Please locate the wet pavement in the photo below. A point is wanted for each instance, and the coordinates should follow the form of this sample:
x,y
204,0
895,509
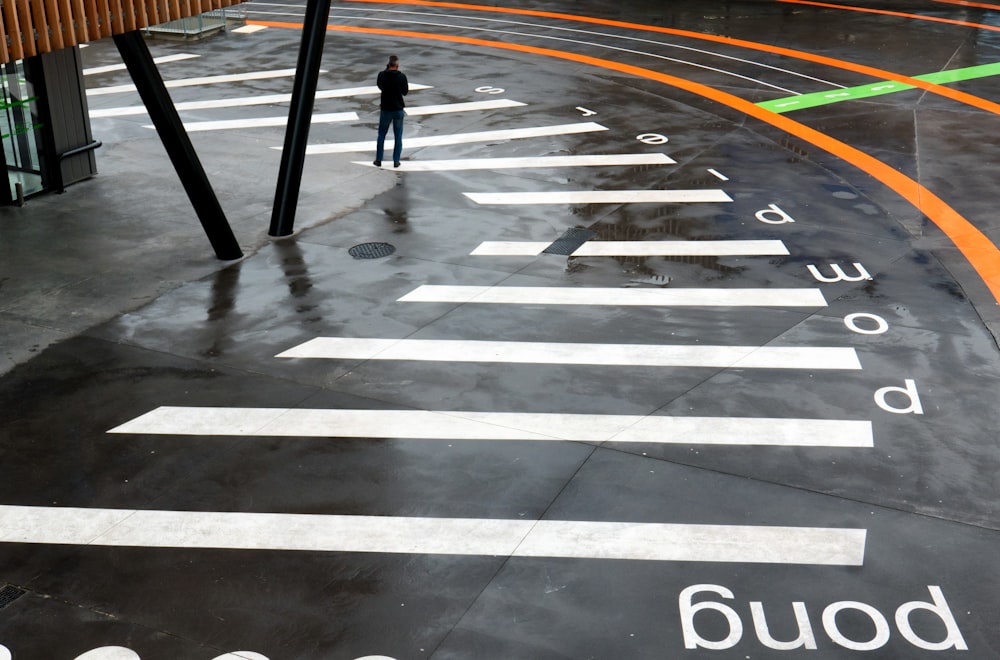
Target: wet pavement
x,y
757,421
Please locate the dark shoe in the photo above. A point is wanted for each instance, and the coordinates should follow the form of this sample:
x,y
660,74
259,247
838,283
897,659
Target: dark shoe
x,y
377,163
396,164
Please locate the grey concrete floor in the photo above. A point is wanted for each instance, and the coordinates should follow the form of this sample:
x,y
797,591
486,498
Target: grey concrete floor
x,y
175,488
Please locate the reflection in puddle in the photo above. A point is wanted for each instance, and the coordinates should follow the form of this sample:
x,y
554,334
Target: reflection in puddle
x,y
399,220
654,225
296,271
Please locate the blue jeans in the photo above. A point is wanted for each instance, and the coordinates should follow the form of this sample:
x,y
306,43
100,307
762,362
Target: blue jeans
x,y
386,117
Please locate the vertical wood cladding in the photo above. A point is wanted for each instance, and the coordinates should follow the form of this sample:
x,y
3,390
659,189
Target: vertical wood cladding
x,y
33,27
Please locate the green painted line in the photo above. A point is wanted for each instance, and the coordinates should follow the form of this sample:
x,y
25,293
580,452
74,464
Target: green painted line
x,y
18,104
815,99
21,130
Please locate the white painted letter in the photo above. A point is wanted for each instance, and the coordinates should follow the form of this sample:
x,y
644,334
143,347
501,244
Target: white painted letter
x,y
652,138
880,639
910,390
806,639
839,275
692,639
783,217
109,653
4,652
953,639
880,324
242,655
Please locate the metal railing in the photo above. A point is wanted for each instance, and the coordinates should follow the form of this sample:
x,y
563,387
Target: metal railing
x,y
202,24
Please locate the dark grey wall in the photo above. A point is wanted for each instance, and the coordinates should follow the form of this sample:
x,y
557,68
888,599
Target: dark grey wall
x,y
69,115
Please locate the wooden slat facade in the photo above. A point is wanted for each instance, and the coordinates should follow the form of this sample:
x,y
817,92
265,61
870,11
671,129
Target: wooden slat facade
x,y
33,27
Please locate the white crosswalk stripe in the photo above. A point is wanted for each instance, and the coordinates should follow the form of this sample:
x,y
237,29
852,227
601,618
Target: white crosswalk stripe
x,y
474,425
262,122
602,197
94,70
242,102
469,106
197,82
638,248
330,117
448,536
543,295
651,355
459,164
459,138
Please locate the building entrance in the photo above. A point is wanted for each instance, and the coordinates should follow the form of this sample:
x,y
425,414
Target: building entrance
x,y
20,132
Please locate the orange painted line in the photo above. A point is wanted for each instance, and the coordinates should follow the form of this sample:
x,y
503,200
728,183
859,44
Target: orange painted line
x,y
886,12
964,3
878,74
973,244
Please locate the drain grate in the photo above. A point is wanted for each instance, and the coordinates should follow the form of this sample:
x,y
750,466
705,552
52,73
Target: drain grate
x,y
570,241
371,250
9,594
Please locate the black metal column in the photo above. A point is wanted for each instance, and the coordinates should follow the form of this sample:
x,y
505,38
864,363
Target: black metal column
x,y
6,196
175,140
293,155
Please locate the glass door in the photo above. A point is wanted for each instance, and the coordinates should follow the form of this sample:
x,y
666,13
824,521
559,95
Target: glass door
x,y
19,131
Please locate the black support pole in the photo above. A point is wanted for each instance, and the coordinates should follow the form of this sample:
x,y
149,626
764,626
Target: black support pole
x,y
177,143
293,155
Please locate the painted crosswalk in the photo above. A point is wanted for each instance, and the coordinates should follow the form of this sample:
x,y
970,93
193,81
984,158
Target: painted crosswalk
x,y
435,536
541,295
523,352
476,425
652,541
638,248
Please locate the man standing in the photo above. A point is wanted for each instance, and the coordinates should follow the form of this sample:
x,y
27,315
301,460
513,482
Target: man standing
x,y
394,87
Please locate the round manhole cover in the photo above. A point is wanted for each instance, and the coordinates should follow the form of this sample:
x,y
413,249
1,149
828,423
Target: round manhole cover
x,y
371,250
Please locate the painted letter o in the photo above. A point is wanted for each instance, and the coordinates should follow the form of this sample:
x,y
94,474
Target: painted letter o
x,y
881,326
880,639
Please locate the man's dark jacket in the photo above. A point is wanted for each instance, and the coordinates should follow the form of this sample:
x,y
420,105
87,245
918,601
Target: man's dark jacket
x,y
394,87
